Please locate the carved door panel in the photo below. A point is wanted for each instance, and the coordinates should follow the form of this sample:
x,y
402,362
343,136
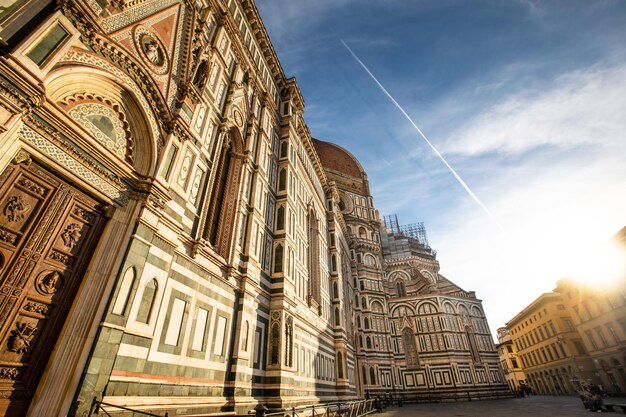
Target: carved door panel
x,y
48,230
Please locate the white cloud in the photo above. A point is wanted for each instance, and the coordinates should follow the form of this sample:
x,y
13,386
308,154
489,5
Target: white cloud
x,y
579,108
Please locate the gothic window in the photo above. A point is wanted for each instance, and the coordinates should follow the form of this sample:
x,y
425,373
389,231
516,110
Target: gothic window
x,y
410,349
335,290
362,233
471,338
337,317
358,321
333,262
368,342
122,296
147,301
401,289
282,179
363,302
218,194
280,218
366,322
275,340
284,147
364,375
313,257
289,342
339,365
372,376
278,258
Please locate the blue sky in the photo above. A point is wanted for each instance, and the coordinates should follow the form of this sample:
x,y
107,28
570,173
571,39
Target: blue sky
x,y
525,99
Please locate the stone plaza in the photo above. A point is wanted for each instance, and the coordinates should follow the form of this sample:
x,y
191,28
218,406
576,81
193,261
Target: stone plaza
x,y
536,406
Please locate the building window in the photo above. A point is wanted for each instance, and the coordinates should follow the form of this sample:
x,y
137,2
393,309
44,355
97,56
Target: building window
x,y
401,289
278,258
147,301
122,296
372,376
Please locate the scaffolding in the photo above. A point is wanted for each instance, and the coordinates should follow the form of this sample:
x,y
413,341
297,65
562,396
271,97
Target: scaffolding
x,y
416,231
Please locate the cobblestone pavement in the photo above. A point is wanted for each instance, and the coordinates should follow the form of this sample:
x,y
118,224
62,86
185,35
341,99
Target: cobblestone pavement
x,y
535,406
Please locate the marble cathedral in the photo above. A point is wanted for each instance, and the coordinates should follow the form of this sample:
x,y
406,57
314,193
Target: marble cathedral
x,y
173,239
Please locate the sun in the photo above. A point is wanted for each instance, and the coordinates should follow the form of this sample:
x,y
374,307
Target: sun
x,y
602,266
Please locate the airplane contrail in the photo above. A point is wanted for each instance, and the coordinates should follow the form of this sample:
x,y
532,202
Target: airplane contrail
x,y
393,100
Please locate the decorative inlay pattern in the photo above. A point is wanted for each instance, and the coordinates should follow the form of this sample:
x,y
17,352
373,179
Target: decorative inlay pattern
x,y
98,62
103,124
72,164
134,14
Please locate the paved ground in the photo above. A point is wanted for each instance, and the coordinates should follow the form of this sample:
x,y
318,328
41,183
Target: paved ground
x,y
535,406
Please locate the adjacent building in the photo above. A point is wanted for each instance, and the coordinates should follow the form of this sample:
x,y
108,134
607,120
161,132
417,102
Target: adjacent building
x,y
510,361
172,239
575,333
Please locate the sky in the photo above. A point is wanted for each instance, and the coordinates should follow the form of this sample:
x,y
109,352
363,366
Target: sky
x,y
524,99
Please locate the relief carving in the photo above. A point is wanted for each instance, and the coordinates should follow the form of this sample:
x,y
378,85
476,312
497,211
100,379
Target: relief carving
x,y
62,258
71,235
8,237
37,308
29,185
49,284
21,337
16,208
8,373
82,214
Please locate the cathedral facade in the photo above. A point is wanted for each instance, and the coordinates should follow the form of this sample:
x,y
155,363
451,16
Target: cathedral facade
x,y
173,239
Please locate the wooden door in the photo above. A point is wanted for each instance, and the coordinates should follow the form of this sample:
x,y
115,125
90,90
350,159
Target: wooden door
x,y
48,232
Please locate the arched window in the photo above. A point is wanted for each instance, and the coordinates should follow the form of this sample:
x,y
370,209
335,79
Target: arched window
x,y
410,349
280,218
284,148
335,290
401,289
282,179
122,296
333,263
313,259
364,375
339,365
471,338
337,317
363,302
147,301
289,341
372,376
358,321
366,322
278,258
221,213
368,342
219,192
275,340
362,232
